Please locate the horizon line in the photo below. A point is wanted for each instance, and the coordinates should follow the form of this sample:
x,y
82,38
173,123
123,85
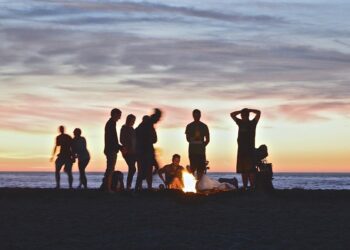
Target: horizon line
x,y
277,172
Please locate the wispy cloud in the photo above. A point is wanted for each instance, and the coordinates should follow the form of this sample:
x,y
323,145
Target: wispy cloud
x,y
303,112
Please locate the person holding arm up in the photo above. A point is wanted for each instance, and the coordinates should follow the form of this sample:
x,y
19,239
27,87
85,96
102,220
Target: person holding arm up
x,y
246,144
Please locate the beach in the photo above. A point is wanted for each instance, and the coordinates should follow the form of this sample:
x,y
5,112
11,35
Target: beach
x,y
90,219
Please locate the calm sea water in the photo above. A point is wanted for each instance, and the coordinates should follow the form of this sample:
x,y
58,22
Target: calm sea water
x,y
281,180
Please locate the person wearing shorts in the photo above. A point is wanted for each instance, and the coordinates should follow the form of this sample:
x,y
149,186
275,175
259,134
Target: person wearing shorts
x,y
64,158
198,137
111,148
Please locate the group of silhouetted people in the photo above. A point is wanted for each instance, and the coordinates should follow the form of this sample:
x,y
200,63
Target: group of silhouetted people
x,y
70,150
136,146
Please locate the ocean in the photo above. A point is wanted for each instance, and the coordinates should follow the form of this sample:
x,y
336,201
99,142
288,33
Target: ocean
x,y
336,181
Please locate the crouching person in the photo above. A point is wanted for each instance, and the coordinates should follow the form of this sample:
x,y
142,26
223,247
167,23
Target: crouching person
x,y
117,182
173,173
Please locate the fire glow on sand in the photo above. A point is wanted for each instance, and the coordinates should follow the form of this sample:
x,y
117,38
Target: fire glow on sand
x,y
189,182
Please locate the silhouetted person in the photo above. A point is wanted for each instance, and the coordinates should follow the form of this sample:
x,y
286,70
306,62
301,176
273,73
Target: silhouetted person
x,y
246,144
128,140
64,158
197,135
112,147
173,173
146,136
80,151
117,181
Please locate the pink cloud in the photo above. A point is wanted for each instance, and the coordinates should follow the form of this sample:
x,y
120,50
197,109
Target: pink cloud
x,y
313,111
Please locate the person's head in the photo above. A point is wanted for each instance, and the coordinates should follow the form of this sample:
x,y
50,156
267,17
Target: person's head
x,y
61,129
245,114
176,159
130,120
116,114
77,132
196,115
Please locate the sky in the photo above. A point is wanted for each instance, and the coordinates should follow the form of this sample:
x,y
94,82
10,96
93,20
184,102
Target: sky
x,y
70,62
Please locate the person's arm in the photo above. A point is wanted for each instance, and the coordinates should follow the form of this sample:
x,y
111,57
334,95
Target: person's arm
x,y
84,142
117,146
54,151
123,136
188,138
154,135
73,149
73,154
207,137
234,115
154,118
257,114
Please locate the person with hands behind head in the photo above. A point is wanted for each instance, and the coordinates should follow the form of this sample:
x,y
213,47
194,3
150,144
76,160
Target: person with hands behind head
x,y
246,144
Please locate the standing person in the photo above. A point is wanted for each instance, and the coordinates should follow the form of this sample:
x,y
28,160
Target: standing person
x,y
65,156
112,147
146,136
128,140
246,144
197,135
80,151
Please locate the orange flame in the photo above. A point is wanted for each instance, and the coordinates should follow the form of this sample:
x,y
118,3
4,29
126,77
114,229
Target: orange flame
x,y
189,182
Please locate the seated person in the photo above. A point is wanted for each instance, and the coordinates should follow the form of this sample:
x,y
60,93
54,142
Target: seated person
x,y
173,173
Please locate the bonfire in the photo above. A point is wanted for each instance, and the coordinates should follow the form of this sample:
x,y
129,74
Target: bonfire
x,y
189,182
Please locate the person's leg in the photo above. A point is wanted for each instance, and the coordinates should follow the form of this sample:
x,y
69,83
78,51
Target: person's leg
x,y
201,166
82,166
245,180
251,177
176,183
121,181
140,173
58,166
193,164
111,161
68,169
149,170
130,160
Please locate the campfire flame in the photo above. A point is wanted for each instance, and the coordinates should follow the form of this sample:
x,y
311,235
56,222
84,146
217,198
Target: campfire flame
x,y
189,182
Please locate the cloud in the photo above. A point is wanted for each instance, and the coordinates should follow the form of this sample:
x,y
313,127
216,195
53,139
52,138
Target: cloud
x,y
304,112
83,52
38,113
200,67
157,8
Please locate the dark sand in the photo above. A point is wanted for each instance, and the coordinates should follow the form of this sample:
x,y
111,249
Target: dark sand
x,y
64,219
